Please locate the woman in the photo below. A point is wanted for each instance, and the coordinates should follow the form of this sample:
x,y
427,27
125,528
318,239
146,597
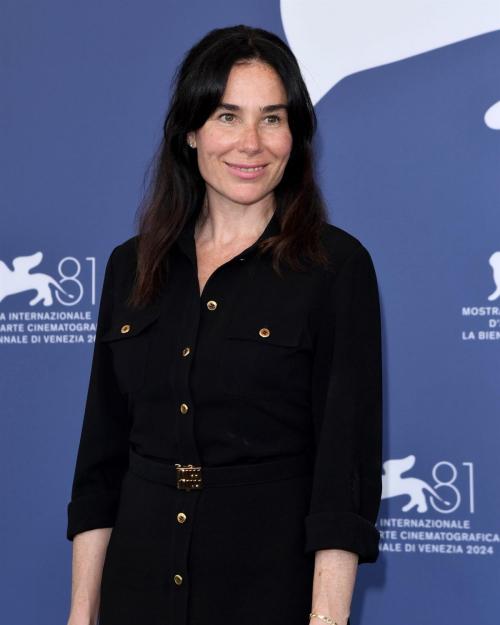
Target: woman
x,y
232,431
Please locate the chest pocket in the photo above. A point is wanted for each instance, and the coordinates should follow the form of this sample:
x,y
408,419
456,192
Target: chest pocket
x,y
129,339
255,360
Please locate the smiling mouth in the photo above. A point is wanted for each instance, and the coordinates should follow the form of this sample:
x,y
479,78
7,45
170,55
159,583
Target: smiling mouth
x,y
247,169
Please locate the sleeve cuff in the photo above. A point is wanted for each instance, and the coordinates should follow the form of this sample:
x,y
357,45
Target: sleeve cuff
x,y
92,512
349,531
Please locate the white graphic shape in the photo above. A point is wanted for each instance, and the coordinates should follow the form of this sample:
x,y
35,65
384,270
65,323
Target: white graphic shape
x,y
333,39
394,485
495,263
492,116
20,280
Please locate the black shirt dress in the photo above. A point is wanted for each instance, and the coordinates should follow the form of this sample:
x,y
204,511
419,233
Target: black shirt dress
x,y
259,370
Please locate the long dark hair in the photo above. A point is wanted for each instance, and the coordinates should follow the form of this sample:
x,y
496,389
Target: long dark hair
x,y
176,189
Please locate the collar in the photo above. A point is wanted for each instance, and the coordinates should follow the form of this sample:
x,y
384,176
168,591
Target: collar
x,y
186,240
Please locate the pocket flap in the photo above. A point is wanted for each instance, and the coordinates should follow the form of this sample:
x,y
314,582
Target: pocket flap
x,y
130,325
276,333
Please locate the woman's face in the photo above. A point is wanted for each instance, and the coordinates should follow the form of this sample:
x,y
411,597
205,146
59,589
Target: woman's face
x,y
249,129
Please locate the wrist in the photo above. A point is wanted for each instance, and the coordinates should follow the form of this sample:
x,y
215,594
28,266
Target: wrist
x,y
82,621
80,617
317,617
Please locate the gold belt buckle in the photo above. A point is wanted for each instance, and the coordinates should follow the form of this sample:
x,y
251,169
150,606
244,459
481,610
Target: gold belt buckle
x,y
188,477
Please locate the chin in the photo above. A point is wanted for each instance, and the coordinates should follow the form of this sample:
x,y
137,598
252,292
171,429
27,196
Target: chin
x,y
246,198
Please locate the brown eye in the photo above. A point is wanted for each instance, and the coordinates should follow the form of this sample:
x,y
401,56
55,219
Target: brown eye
x,y
227,115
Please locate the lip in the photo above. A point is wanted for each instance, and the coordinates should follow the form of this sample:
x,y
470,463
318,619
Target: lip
x,y
246,175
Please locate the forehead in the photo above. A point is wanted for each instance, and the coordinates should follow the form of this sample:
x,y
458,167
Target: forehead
x,y
254,84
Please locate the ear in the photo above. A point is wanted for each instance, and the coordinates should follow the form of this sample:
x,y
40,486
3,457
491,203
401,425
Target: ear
x,y
191,140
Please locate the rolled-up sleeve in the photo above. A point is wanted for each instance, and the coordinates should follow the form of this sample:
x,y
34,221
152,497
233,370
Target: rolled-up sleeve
x,y
347,413
102,458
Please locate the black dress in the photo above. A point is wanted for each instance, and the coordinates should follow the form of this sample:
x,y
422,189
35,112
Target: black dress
x,y
259,369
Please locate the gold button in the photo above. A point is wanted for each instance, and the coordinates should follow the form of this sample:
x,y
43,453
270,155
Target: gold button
x,y
125,329
185,351
184,408
181,517
264,332
178,580
211,305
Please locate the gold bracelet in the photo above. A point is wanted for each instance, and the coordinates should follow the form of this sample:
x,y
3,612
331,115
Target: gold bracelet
x,y
322,617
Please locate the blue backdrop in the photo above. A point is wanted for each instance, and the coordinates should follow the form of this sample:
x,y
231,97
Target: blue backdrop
x,y
409,162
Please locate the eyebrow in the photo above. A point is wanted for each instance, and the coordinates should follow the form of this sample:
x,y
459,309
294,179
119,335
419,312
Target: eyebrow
x,y
266,109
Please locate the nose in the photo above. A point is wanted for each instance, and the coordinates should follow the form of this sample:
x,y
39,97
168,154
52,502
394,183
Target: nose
x,y
250,141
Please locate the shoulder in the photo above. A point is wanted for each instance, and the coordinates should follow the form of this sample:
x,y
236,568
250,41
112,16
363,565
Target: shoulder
x,y
352,276
126,251
341,246
123,257
122,264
